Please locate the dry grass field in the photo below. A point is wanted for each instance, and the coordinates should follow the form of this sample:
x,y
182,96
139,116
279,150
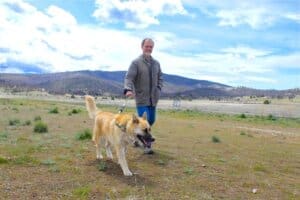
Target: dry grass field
x,y
197,156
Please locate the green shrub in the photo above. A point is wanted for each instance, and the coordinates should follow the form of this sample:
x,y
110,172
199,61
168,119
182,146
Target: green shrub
x,y
243,116
15,109
13,122
74,111
40,127
242,133
215,139
82,192
37,118
3,160
102,166
54,110
3,136
188,170
271,117
83,135
27,123
267,101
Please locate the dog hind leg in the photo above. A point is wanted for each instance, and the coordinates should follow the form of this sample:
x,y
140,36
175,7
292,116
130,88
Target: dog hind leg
x,y
98,151
98,142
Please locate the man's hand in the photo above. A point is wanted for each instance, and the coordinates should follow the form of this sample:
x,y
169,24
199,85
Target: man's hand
x,y
129,94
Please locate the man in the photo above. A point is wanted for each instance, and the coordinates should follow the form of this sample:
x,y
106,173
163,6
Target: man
x,y
143,81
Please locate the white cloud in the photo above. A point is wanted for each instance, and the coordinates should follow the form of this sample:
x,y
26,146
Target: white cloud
x,y
249,53
11,70
255,18
231,65
260,79
293,16
53,40
256,13
61,17
136,13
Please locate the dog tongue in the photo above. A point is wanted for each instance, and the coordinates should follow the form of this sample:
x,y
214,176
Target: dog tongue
x,y
148,144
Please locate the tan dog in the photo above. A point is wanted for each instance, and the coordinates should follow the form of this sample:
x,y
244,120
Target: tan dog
x,y
116,131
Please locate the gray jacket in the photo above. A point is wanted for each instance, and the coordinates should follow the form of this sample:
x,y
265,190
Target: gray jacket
x,y
145,79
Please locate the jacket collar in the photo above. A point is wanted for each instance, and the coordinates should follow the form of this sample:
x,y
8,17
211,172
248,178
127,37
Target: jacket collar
x,y
148,61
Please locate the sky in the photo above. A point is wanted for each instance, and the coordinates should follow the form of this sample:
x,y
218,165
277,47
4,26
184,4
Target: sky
x,y
250,43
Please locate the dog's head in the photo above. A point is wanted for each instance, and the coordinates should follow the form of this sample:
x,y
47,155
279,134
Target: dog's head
x,y
137,126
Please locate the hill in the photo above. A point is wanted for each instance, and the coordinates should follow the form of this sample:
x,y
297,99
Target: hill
x,y
111,83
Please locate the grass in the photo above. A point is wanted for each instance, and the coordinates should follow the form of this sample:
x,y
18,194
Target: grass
x,y
74,111
3,160
54,110
242,116
242,133
3,136
259,168
14,122
48,162
187,163
189,170
251,119
215,139
40,127
84,135
37,118
102,166
82,192
24,160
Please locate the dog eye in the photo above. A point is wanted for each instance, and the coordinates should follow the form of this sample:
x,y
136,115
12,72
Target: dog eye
x,y
147,130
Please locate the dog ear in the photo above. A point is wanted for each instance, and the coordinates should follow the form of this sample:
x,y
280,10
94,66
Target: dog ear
x,y
135,119
144,116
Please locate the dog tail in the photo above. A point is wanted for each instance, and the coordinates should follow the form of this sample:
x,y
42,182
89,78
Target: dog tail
x,y
91,106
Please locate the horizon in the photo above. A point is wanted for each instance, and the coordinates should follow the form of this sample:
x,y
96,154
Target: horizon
x,y
253,44
176,75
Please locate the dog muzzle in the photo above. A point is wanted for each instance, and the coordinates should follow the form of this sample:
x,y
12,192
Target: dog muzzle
x,y
146,139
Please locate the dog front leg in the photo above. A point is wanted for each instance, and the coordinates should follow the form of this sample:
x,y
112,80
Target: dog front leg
x,y
108,151
122,161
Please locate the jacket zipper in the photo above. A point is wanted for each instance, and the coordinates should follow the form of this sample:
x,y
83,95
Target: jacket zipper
x,y
150,80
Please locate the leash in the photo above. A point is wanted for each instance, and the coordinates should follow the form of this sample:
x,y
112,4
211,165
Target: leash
x,y
122,108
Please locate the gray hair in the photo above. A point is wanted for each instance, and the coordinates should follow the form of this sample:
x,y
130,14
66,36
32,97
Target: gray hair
x,y
145,39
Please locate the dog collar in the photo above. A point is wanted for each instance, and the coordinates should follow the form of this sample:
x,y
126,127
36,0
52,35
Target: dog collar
x,y
123,128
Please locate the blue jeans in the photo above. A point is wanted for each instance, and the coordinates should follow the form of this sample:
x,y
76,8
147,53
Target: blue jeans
x,y
150,110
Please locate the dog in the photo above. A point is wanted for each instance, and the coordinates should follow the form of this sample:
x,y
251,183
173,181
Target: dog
x,y
116,131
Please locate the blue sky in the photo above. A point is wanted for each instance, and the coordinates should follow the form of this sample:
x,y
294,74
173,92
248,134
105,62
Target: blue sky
x,y
235,42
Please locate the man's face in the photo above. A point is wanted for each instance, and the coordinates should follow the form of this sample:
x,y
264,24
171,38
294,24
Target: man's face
x,y
147,47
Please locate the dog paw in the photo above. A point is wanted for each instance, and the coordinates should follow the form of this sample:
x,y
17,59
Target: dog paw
x,y
128,173
110,158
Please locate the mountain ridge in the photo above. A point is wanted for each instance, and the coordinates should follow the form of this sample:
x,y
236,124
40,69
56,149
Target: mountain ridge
x,y
111,83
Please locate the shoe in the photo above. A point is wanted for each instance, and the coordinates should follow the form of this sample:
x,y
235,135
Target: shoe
x,y
148,150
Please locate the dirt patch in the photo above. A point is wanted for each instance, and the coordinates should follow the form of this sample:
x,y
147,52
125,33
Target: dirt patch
x,y
187,163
